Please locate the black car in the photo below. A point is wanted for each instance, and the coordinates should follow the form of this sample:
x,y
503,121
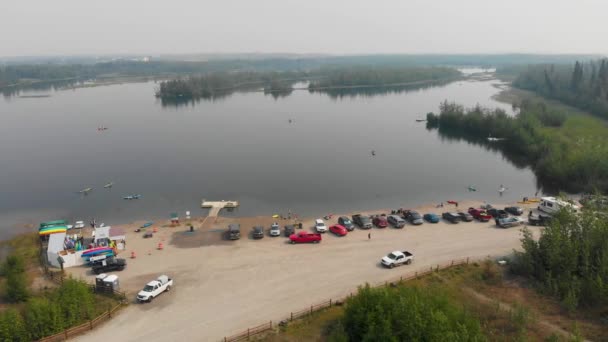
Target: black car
x,y
109,265
234,231
289,229
465,217
346,223
257,232
514,210
497,213
413,217
452,217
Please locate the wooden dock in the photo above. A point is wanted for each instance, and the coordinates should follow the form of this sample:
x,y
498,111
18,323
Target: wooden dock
x,y
216,206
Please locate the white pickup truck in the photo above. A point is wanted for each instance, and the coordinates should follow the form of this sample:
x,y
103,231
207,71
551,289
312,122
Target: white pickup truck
x,y
397,258
154,288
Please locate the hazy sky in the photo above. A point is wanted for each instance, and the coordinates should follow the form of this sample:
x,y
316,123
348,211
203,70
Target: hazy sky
x,y
51,27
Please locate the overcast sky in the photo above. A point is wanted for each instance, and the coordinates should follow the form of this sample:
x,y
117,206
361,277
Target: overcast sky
x,y
64,27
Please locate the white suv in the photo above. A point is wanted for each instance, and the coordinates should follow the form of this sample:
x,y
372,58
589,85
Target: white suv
x,y
275,229
320,226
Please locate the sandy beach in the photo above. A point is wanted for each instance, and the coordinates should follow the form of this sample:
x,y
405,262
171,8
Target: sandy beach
x,y
222,287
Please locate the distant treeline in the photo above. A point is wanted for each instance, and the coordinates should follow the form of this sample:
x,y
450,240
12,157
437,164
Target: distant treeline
x,y
582,85
26,71
374,76
567,152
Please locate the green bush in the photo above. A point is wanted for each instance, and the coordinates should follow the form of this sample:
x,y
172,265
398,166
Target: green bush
x,y
407,314
16,282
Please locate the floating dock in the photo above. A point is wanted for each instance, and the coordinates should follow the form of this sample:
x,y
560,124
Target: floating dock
x,y
216,206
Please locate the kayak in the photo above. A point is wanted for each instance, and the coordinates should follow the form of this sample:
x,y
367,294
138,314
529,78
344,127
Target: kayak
x,y
96,251
471,188
109,185
131,197
452,202
52,230
53,223
147,224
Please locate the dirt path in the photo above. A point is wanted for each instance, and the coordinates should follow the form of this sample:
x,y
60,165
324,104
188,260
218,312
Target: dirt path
x,y
506,307
221,289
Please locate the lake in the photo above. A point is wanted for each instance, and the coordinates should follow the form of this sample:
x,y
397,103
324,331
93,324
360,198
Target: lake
x,y
241,147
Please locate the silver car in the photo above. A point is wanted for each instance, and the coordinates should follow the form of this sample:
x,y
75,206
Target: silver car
x,y
275,230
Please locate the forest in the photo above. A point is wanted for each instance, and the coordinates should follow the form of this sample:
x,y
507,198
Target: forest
x,y
566,152
570,259
583,85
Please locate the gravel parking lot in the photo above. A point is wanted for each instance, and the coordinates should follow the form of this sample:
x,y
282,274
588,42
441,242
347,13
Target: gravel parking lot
x,y
224,287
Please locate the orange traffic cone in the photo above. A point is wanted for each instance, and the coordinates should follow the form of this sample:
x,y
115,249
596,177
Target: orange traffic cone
x,y
160,246
132,254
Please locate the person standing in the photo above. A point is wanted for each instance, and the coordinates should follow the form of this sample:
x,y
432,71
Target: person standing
x,y
369,236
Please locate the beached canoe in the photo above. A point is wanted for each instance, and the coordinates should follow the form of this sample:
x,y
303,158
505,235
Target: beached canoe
x,y
147,224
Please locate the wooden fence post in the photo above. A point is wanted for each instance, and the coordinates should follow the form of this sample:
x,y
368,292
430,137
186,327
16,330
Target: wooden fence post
x,y
311,309
65,332
90,324
225,339
247,334
416,275
452,263
292,316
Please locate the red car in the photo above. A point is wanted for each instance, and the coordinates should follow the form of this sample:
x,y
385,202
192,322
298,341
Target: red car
x,y
305,237
380,221
338,230
480,214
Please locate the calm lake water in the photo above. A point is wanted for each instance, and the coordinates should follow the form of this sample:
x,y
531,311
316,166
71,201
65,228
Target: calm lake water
x,y
241,147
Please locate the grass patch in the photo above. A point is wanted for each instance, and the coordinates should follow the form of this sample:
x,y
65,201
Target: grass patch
x,y
508,309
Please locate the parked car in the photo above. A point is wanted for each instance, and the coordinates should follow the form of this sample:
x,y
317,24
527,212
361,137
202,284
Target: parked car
x,y
380,221
431,217
155,288
514,210
451,217
289,229
397,258
234,231
512,221
539,219
396,221
257,232
320,226
338,230
413,217
275,229
109,265
480,214
498,213
466,217
305,237
364,222
346,223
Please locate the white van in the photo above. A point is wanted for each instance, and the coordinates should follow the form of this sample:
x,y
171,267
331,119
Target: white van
x,y
552,205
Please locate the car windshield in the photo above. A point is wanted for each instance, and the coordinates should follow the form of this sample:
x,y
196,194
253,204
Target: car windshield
x,y
392,256
148,288
415,215
346,221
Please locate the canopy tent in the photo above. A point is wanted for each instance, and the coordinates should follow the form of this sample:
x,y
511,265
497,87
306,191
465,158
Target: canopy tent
x,y
119,236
